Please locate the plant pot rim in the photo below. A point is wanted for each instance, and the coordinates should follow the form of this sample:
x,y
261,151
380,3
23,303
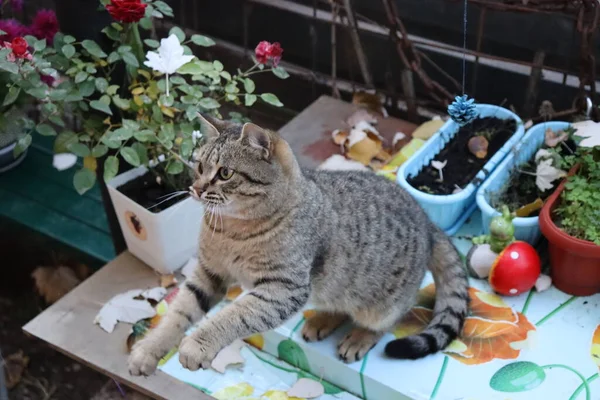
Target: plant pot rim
x,y
484,172
132,174
556,235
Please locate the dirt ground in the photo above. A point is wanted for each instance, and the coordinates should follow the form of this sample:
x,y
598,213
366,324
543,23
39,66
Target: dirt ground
x,y
48,375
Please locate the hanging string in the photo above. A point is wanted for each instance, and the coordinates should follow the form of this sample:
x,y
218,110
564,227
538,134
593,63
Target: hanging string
x,y
464,60
463,110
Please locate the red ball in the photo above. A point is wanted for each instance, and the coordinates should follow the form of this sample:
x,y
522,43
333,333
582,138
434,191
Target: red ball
x,y
515,270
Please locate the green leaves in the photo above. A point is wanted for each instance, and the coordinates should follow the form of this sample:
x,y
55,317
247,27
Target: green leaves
x,y
131,156
249,85
281,73
175,167
130,59
250,99
101,106
201,40
519,376
209,103
152,43
64,140
177,32
45,130
191,68
22,144
9,66
99,150
68,50
271,99
111,168
84,180
11,95
101,84
93,48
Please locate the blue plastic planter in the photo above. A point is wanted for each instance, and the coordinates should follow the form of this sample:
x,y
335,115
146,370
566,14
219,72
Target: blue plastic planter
x,y
526,229
449,212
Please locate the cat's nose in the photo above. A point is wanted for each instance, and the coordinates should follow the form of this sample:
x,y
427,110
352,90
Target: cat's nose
x,y
200,188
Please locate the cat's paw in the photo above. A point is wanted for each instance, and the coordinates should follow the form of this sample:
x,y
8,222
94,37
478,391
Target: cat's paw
x,y
321,325
356,344
196,353
143,360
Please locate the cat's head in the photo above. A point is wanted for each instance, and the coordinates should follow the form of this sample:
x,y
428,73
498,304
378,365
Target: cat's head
x,y
243,170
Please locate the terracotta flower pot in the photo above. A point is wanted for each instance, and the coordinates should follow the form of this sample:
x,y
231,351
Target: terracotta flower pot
x,y
574,263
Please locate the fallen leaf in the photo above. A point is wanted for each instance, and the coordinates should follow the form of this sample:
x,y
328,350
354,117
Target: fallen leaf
x,y
64,161
166,281
478,146
53,283
398,137
125,307
530,208
428,129
257,340
370,101
363,147
368,128
14,366
307,389
228,355
360,115
554,138
339,136
233,292
338,162
546,174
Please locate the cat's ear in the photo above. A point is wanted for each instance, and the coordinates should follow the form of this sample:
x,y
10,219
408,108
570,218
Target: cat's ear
x,y
208,126
257,138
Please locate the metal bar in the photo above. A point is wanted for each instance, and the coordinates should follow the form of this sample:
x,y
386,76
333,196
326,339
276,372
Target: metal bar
x,y
531,93
360,53
480,29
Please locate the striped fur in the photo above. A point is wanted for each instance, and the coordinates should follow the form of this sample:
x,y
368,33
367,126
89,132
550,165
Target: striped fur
x,y
355,243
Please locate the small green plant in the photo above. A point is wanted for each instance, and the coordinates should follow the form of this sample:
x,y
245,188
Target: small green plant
x,y
579,209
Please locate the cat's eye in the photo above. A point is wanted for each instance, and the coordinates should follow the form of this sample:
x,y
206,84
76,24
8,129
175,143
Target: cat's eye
x,y
225,173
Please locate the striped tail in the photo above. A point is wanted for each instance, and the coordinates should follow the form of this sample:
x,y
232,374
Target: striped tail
x,y
451,305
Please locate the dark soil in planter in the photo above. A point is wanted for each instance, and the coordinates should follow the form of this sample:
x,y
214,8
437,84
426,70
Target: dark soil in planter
x,y
462,165
147,192
521,188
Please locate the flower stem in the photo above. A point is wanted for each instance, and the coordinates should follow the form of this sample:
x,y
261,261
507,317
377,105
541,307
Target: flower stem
x,y
582,386
440,378
585,383
527,301
556,310
136,43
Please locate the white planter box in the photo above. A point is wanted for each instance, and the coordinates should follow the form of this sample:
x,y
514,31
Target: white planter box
x,y
165,240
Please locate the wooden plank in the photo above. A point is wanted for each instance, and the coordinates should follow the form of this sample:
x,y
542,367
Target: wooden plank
x,y
309,134
68,326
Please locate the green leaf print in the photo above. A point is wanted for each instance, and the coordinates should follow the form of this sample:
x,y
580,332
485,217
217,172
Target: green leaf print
x,y
290,352
519,376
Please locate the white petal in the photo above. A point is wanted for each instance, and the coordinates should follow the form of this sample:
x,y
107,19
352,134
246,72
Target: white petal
x,y
438,164
64,161
542,153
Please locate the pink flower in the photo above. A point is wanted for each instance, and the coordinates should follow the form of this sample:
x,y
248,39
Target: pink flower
x,y
13,29
266,51
45,25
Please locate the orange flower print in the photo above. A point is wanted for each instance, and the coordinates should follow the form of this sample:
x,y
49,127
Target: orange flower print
x,y
492,330
596,346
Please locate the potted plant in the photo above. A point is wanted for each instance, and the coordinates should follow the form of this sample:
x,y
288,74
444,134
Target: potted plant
x,y
23,69
444,174
570,220
151,122
527,177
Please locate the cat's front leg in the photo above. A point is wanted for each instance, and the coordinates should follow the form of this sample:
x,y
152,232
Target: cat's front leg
x,y
272,301
192,302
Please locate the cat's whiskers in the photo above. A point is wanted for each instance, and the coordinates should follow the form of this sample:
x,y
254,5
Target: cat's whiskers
x,y
170,197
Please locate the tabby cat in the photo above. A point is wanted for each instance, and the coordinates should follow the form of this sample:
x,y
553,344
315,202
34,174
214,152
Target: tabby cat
x,y
355,244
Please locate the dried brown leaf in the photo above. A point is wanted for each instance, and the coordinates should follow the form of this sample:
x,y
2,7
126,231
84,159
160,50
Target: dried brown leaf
x,y
478,146
370,101
553,139
53,283
14,367
167,281
339,136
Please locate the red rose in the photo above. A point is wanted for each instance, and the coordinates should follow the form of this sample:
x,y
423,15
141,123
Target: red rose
x,y
19,47
262,52
266,51
126,10
275,53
